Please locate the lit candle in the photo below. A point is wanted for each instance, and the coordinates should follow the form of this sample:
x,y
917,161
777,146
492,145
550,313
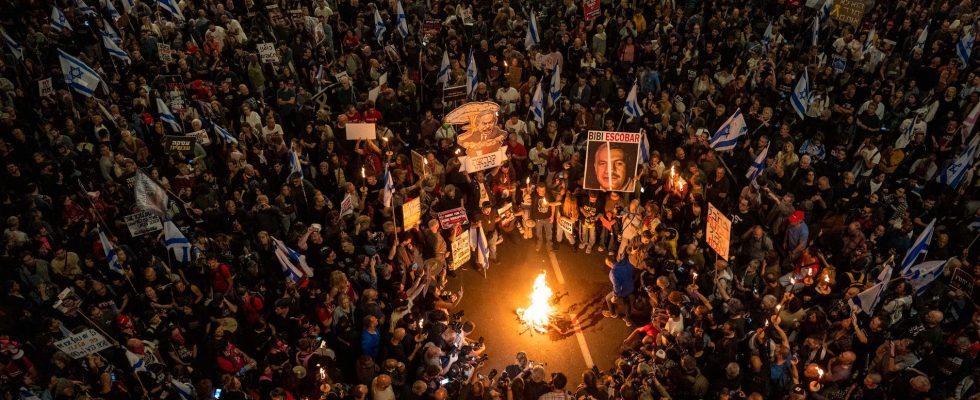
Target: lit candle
x,y
779,307
457,151
529,181
505,64
792,281
767,323
826,278
694,275
819,373
363,173
425,161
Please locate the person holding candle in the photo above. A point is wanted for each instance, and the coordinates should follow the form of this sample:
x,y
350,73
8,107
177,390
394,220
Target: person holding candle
x,y
543,213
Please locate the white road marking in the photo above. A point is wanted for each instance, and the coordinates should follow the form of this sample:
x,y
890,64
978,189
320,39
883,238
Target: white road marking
x,y
579,336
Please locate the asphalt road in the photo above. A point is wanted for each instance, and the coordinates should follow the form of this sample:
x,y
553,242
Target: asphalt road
x,y
580,285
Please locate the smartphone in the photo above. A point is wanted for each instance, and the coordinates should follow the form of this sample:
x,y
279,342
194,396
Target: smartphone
x,y
217,393
415,266
444,381
113,376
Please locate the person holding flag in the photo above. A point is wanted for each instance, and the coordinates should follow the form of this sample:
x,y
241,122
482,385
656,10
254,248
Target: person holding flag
x,y
444,70
165,115
175,242
379,26
537,106
801,96
758,165
727,135
532,39
632,107
401,21
472,76
964,48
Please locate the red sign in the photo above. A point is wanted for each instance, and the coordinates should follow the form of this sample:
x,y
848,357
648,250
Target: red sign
x,y
591,9
452,218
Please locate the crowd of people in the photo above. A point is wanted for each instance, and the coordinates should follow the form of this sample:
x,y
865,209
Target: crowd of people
x,y
883,157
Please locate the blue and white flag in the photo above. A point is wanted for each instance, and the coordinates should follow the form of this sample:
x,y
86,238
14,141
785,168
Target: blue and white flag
x,y
921,275
920,43
86,9
800,98
15,48
824,12
555,88
531,39
295,167
953,174
109,250
758,165
26,394
224,134
79,77
128,5
136,361
150,196
815,34
868,299
869,41
109,32
472,76
964,49
444,69
907,134
115,51
183,390
401,22
167,116
537,105
379,25
176,242
171,7
767,37
389,190
644,146
632,106
920,246
293,264
886,273
727,136
478,243
58,20
111,9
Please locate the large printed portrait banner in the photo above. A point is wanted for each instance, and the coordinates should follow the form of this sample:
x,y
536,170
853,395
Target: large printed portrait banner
x,y
611,161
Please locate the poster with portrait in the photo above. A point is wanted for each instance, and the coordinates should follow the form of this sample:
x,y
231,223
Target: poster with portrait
x,y
611,161
481,136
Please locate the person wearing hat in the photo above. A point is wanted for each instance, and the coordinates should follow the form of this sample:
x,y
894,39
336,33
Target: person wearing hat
x,y
488,218
797,236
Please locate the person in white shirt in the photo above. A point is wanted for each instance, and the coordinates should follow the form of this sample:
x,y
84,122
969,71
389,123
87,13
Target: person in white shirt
x,y
515,125
508,97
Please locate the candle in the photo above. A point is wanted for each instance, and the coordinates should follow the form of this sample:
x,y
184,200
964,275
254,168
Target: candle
x,y
529,181
457,151
819,373
792,280
767,323
425,161
694,276
363,173
826,278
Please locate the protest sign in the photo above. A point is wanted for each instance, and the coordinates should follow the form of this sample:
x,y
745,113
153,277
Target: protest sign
x,y
174,144
346,206
83,343
482,162
848,11
962,280
361,131
591,9
506,213
452,218
165,53
267,52
411,212
566,225
202,137
454,93
45,87
143,222
719,231
419,164
461,249
611,160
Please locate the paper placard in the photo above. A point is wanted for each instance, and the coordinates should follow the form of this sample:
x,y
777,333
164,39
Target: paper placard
x,y
848,11
361,131
455,93
346,206
719,231
461,249
267,52
143,222
412,213
45,87
591,9
202,137
566,225
962,280
165,53
506,213
452,218
419,164
83,343
482,162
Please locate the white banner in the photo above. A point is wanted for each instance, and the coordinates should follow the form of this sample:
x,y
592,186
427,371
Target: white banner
x,y
143,222
82,344
482,162
361,131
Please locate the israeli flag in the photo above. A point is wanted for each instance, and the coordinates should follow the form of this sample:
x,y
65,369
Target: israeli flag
x,y
86,10
295,167
79,77
758,165
111,9
970,121
868,299
293,264
171,7
532,32
921,275
537,106
869,41
644,146
907,134
472,77
815,34
953,174
824,11
110,254
16,49
389,190
110,33
727,136
58,20
886,273
555,90
443,76
176,242
379,25
920,43
921,246
150,196
632,106
767,37
183,390
478,242
114,50
800,99
401,21
964,49
167,116
224,134
136,361
26,394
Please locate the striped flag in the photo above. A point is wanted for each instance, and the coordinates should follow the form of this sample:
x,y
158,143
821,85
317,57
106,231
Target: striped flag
x,y
79,77
295,167
644,146
472,77
109,32
970,121
293,264
171,7
815,34
86,9
224,134
886,273
150,196
632,106
758,165
907,134
537,106
727,136
16,49
114,50
128,5
953,174
183,390
767,37
921,275
136,361
920,246
176,242
964,49
868,299
800,99
478,242
443,76
26,394
531,39
111,9
379,25
389,189
824,12
869,41
920,42
167,116
555,89
110,254
58,20
401,22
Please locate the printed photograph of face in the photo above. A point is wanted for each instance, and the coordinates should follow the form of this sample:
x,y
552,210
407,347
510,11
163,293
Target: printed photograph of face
x,y
611,166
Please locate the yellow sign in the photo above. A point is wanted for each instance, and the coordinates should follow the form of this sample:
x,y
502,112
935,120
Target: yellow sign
x,y
719,231
848,11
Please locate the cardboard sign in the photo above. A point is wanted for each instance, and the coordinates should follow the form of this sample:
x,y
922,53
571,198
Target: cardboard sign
x,y
611,160
411,213
45,87
506,213
719,231
566,225
267,52
361,131
461,249
848,11
591,9
143,222
165,53
83,343
419,164
454,93
431,28
452,218
486,161
68,302
173,144
962,280
346,206
202,137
